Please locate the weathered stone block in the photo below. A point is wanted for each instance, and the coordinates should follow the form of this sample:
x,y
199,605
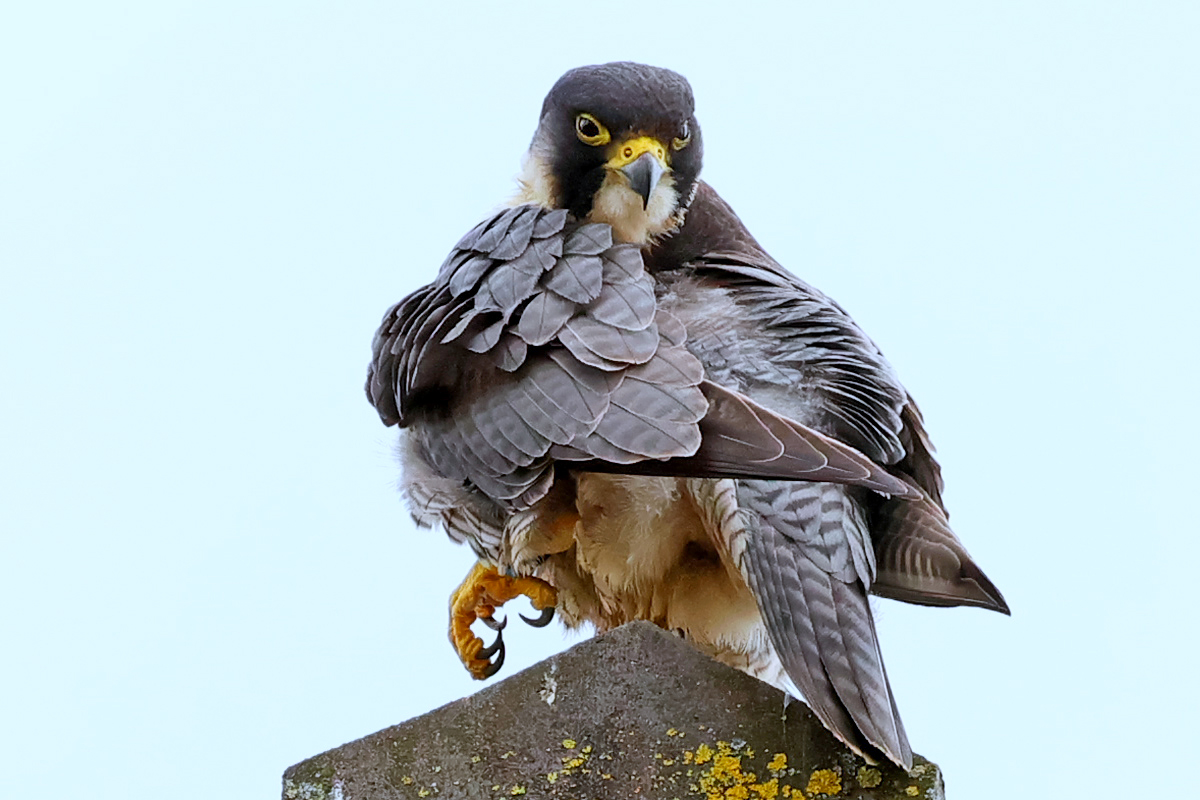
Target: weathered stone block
x,y
632,713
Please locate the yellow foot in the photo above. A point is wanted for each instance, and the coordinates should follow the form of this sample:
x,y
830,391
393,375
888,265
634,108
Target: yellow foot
x,y
482,591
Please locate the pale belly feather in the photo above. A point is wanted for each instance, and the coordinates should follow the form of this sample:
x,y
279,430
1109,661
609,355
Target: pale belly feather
x,y
641,549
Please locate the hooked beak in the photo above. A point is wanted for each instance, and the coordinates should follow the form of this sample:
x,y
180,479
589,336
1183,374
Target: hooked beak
x,y
643,162
644,174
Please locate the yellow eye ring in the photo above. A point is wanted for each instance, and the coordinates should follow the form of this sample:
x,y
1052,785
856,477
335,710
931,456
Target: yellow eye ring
x,y
590,131
680,142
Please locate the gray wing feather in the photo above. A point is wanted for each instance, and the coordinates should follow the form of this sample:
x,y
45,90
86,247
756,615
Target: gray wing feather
x,y
815,352
541,339
544,317
918,461
742,439
801,563
516,239
576,277
524,343
921,561
628,306
835,365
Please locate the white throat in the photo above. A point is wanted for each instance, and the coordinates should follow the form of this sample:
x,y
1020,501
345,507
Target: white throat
x,y
615,203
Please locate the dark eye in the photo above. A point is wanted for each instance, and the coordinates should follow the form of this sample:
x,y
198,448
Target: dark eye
x,y
685,136
590,131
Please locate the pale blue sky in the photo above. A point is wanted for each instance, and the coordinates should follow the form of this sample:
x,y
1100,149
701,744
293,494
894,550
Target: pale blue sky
x,y
206,207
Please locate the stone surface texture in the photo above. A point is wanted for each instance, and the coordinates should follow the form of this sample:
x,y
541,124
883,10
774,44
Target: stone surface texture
x,y
632,713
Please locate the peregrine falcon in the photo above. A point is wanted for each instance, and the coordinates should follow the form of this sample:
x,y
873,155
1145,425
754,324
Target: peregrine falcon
x,y
629,410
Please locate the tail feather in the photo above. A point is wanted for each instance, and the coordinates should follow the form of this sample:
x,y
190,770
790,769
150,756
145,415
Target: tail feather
x,y
814,603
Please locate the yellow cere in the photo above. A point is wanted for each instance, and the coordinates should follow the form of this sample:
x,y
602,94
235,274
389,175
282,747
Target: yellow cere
x,y
631,150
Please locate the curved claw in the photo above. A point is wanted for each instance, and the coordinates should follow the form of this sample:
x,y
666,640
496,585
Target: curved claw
x,y
481,593
486,653
493,624
541,620
494,667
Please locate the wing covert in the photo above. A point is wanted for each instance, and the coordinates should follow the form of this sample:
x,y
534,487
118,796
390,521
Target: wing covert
x,y
539,339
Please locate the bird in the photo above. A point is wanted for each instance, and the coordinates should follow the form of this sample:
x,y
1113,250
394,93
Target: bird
x,y
630,411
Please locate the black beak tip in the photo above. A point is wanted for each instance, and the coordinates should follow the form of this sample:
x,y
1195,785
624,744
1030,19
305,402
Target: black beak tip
x,y
640,183
643,175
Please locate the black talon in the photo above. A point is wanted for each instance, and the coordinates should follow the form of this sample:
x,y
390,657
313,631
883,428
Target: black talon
x,y
542,620
492,648
495,666
493,624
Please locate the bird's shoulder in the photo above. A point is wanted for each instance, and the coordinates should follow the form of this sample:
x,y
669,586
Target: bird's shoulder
x,y
760,328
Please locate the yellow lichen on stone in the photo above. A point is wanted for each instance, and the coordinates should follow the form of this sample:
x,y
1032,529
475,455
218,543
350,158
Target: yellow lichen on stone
x,y
824,781
407,780
516,790
672,732
727,767
912,791
869,777
475,759
725,780
422,793
688,755
572,764
778,763
551,777
586,750
569,744
704,754
766,791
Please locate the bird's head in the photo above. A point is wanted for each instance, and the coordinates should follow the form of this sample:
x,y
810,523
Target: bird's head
x,y
617,143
